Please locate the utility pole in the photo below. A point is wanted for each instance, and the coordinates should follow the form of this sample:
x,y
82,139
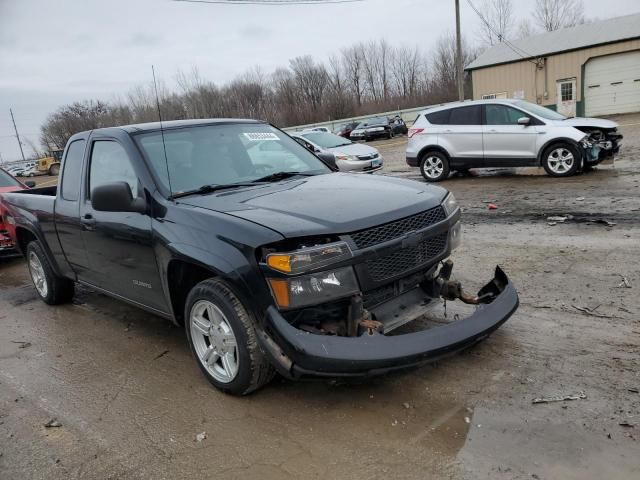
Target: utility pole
x,y
17,136
459,71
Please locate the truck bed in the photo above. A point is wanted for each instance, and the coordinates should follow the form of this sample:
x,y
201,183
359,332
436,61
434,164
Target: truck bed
x,y
47,191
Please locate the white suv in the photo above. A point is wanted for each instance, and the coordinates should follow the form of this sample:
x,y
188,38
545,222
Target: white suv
x,y
507,133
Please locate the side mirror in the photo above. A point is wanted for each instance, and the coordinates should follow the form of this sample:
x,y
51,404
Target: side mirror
x,y
116,197
329,159
30,184
524,121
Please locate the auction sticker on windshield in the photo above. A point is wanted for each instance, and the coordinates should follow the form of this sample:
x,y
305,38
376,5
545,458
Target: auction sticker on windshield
x,y
260,136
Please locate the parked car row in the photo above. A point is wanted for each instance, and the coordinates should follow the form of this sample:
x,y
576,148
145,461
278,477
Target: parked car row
x,y
379,127
507,133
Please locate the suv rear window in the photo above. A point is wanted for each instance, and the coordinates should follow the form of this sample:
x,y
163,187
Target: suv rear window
x,y
471,115
439,118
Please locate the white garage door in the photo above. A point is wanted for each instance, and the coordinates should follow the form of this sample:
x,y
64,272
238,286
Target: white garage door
x,y
612,84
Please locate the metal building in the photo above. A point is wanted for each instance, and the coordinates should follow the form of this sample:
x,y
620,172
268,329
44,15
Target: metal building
x,y
588,70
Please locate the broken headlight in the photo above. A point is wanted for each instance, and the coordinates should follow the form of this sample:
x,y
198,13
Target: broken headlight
x,y
296,292
306,259
455,235
450,204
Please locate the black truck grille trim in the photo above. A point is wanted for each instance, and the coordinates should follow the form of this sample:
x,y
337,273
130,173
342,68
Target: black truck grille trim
x,y
396,229
407,259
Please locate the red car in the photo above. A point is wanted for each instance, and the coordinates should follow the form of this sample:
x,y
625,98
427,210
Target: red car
x,y
8,183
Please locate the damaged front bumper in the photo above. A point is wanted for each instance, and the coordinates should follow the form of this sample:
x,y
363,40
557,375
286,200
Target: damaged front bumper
x,y
296,353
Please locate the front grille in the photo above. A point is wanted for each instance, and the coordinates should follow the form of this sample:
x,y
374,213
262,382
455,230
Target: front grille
x,y
368,157
407,258
389,231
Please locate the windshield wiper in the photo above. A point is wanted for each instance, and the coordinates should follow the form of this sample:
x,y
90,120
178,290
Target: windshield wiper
x,y
274,177
211,189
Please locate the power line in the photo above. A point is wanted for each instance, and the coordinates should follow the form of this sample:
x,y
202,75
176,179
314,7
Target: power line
x,y
270,2
517,50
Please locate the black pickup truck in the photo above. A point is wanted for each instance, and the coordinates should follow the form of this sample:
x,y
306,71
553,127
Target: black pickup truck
x,y
271,259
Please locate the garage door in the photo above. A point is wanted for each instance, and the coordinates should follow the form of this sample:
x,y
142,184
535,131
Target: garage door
x,y
612,84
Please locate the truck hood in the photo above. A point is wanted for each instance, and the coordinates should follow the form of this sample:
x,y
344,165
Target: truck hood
x,y
327,204
587,122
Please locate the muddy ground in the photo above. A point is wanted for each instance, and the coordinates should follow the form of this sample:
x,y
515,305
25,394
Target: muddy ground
x,y
130,399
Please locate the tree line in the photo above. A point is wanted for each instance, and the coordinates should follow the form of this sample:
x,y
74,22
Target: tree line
x,y
364,78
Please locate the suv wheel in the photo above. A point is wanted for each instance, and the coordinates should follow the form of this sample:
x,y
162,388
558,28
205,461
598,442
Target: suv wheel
x,y
561,160
434,166
223,339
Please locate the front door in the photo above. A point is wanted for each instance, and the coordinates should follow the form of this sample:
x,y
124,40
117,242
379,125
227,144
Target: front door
x,y
507,143
567,96
119,244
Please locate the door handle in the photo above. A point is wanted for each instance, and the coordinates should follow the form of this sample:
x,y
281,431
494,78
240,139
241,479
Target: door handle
x,y
88,222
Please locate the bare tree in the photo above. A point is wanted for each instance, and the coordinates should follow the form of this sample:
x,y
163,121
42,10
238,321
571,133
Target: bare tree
x,y
312,80
551,15
499,22
352,60
444,79
525,29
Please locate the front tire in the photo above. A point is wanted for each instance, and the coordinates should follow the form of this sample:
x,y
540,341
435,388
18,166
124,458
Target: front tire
x,y
51,288
434,166
561,160
222,337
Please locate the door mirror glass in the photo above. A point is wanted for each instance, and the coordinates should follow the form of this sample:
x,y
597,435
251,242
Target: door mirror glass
x,y
30,184
524,121
115,197
329,159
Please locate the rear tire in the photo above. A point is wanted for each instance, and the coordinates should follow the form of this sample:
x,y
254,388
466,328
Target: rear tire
x,y
434,166
561,160
51,288
54,170
222,336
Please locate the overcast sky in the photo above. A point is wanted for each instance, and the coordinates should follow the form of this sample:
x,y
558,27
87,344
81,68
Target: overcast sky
x,y
56,52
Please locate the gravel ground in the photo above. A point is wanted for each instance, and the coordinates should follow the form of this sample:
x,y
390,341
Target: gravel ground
x,y
130,400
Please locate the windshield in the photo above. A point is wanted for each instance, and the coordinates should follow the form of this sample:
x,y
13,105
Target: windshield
x,y
326,140
7,180
539,110
224,154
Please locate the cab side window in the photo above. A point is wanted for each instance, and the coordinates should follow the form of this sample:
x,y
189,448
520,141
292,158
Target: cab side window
x,y
502,115
72,169
110,163
471,115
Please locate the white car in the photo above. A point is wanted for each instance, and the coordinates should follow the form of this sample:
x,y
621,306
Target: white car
x,y
350,157
507,133
30,172
16,171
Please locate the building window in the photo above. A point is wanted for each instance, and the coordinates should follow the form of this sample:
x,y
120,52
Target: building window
x,y
566,91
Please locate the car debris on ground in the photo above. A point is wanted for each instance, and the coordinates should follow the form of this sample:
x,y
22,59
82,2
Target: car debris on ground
x,y
201,436
625,283
560,398
53,423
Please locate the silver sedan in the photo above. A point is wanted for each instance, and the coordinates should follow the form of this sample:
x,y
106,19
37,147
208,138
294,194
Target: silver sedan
x,y
350,157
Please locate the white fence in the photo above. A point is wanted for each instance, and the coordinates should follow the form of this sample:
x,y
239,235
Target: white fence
x,y
408,115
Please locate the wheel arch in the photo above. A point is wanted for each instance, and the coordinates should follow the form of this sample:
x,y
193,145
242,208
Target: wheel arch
x,y
182,276
559,141
23,237
432,148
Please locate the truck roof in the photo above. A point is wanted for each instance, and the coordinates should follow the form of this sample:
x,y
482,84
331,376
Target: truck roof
x,y
171,124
